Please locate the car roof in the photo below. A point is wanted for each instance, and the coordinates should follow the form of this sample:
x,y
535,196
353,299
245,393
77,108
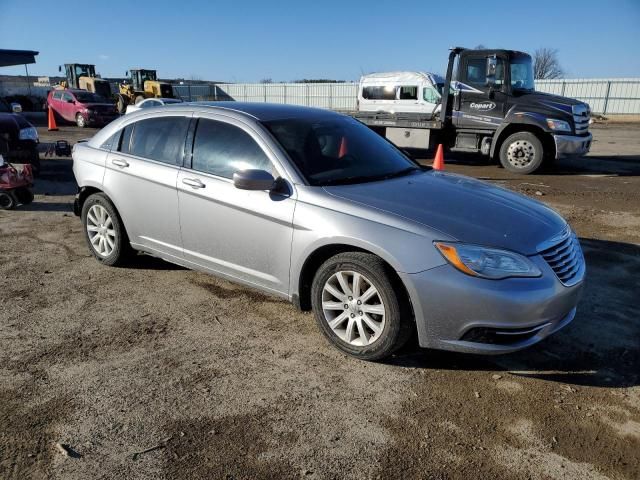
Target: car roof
x,y
262,111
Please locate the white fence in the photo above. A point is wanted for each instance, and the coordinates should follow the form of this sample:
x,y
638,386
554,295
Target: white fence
x,y
607,96
614,96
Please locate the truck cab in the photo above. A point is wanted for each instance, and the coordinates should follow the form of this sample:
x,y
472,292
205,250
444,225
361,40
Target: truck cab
x,y
495,109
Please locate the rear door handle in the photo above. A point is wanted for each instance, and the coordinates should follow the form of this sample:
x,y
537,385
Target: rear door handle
x,y
193,182
120,163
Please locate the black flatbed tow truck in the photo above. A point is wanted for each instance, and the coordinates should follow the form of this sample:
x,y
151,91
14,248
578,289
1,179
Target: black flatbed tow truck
x,y
492,108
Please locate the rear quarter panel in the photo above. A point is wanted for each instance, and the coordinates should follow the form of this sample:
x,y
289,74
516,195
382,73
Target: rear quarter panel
x,y
89,165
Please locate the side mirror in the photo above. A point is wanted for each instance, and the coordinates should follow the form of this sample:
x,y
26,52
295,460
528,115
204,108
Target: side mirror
x,y
253,179
71,100
492,65
59,68
16,108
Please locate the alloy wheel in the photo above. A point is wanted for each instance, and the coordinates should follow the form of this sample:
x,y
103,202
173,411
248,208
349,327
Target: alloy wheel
x,y
353,308
102,235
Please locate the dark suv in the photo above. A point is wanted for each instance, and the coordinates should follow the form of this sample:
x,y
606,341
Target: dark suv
x,y
18,138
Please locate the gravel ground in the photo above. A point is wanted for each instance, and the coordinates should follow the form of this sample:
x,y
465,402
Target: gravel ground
x,y
154,371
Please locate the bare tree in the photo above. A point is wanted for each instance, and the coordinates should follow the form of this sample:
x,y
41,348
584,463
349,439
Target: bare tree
x,y
266,80
546,64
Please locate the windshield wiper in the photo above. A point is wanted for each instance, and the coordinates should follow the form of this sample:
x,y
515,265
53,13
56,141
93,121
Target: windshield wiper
x,y
402,173
369,178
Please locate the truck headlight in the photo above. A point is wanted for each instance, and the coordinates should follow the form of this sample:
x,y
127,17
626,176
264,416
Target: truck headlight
x,y
485,262
29,133
558,125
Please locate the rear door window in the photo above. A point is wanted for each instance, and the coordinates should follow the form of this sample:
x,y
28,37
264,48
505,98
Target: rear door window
x,y
161,139
222,149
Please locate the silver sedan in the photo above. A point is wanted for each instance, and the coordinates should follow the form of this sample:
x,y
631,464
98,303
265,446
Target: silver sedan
x,y
312,206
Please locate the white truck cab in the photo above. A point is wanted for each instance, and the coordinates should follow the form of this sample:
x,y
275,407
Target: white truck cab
x,y
396,92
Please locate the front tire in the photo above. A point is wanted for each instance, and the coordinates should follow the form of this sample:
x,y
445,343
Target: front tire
x,y
104,231
81,122
357,306
522,153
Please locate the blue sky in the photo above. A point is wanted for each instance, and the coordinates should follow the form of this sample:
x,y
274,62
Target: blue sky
x,y
287,40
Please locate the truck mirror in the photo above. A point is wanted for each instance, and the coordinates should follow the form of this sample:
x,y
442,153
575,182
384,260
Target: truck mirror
x,y
492,64
59,68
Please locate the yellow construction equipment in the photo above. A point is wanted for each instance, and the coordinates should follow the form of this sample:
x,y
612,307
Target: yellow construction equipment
x,y
142,84
83,76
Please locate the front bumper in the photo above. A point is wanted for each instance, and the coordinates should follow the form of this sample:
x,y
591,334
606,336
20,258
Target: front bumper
x,y
97,119
454,311
572,146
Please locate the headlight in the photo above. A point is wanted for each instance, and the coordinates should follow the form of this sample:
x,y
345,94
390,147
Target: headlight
x,y
29,133
486,262
558,125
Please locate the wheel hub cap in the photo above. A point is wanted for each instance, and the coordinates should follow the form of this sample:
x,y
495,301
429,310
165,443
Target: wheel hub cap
x,y
521,153
353,308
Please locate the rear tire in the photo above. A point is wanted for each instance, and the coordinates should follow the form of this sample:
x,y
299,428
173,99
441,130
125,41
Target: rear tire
x,y
104,231
366,327
521,152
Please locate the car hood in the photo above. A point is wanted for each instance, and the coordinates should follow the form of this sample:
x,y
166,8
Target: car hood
x,y
469,210
549,100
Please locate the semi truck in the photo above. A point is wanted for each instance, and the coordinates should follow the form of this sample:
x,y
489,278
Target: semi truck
x,y
489,105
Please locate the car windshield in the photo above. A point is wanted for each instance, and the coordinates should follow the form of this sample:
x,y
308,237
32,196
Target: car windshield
x,y
522,73
339,151
88,97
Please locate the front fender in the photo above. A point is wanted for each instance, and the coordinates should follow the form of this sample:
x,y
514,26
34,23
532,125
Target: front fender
x,y
316,227
516,117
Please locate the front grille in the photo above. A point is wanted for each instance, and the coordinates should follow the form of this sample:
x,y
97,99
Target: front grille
x,y
581,117
565,259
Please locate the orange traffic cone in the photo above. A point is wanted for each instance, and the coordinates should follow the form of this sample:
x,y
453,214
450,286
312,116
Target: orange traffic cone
x,y
438,162
52,120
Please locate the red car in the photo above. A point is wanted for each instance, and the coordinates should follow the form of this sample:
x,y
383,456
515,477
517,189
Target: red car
x,y
82,107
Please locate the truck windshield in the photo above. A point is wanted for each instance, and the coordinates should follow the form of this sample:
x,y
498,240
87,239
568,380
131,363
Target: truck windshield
x,y
339,151
522,73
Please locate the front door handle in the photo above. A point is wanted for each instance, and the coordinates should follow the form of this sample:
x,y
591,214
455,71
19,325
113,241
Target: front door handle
x,y
193,182
120,163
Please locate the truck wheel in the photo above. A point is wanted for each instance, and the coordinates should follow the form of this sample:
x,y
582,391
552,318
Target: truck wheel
x,y
521,153
7,202
139,98
121,103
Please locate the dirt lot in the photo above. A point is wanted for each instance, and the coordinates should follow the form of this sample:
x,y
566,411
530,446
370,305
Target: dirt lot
x,y
219,381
